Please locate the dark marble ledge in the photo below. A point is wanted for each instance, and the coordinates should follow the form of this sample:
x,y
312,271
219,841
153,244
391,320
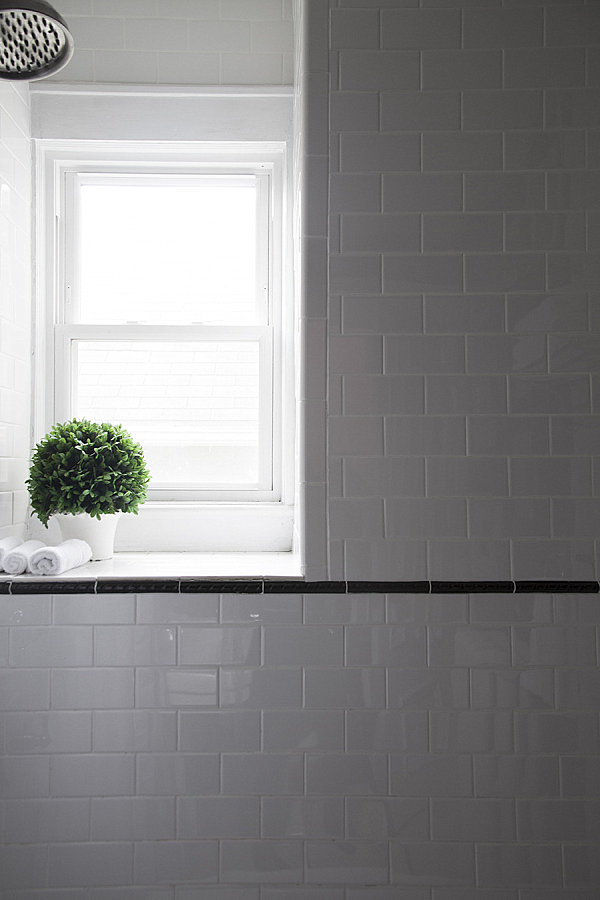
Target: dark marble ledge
x,y
177,585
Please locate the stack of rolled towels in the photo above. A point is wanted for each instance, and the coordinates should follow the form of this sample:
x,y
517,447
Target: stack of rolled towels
x,y
18,557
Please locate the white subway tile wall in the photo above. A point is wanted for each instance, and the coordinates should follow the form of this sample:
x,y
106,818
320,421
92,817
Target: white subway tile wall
x,y
213,42
389,746
15,304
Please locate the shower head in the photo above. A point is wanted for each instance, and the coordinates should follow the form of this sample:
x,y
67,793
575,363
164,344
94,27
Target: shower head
x,y
35,40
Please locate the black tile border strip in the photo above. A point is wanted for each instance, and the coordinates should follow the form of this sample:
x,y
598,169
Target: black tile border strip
x,y
286,586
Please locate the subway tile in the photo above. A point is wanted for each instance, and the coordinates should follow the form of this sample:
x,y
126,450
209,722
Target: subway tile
x,y
581,867
301,893
354,862
465,394
132,819
461,70
24,867
506,353
408,29
556,393
575,518
553,559
261,862
384,893
346,609
269,773
553,645
380,233
383,394
555,732
573,271
424,354
85,775
519,865
420,111
426,518
558,820
512,689
24,689
217,732
469,559
354,274
379,70
382,731
93,610
217,817
51,646
462,645
571,26
164,687
462,151
425,435
550,67
502,28
431,775
48,732
428,688
505,272
472,820
341,688
580,775
157,609
385,645
407,273
348,774
382,818
502,110
164,862
308,645
450,862
510,435
464,476
429,609
382,315
355,192
260,688
355,435
422,192
448,232
380,152
385,477
513,775
573,190
354,29
462,314
577,609
570,354
572,108
173,774
510,609
267,609
72,865
544,150
355,354
97,688
471,731
25,610
303,730
24,776
219,646
302,817
376,559
46,821
545,231
134,730
553,476
577,688
509,191
511,517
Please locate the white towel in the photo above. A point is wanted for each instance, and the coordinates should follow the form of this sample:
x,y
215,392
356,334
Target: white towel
x,y
16,561
56,560
6,545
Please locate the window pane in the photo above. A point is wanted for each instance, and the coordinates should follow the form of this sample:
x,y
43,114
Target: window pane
x,y
168,253
193,406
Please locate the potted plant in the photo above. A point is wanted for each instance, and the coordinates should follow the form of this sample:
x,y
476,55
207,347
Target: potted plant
x,y
86,474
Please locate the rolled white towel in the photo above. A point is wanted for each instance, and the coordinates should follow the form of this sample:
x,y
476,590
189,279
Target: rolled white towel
x,y
6,545
56,560
16,561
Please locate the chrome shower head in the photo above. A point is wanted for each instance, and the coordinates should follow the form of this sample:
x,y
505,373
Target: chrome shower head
x,y
35,40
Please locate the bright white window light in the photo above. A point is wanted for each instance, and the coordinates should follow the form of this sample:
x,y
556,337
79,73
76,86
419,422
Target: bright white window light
x,y
176,251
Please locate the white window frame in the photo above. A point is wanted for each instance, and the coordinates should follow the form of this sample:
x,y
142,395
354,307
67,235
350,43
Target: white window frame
x,y
207,519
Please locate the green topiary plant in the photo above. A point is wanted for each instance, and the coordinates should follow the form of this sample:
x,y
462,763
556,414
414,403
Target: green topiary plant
x,y
86,467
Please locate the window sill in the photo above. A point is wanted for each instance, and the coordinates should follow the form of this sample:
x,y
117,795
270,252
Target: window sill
x,y
175,566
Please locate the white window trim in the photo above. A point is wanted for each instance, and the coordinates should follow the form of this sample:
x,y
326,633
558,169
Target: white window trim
x,y
178,526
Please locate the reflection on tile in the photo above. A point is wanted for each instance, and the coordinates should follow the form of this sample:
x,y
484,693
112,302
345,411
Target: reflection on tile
x,y
175,687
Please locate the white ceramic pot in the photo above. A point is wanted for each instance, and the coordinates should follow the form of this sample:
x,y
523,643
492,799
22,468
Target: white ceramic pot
x,y
99,533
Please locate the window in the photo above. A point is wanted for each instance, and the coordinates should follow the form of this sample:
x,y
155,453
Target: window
x,y
164,300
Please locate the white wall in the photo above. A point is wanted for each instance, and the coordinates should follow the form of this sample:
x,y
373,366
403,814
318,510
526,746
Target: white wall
x,y
15,304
